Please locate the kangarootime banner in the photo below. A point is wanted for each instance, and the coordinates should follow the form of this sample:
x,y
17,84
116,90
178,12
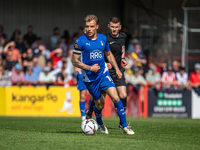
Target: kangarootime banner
x,y
38,101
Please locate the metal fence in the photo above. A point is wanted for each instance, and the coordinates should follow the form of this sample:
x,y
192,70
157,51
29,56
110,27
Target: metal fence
x,y
191,35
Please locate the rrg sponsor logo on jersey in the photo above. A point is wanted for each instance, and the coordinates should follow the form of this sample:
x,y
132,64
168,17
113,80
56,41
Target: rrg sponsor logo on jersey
x,y
95,55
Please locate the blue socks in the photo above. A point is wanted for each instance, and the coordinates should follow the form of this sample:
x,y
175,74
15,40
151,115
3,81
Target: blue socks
x,y
121,113
98,115
82,108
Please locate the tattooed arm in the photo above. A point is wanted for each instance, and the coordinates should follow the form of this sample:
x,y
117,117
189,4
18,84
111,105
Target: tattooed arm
x,y
77,63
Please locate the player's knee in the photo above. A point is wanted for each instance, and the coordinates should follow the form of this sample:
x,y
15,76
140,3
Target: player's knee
x,y
115,99
123,95
99,105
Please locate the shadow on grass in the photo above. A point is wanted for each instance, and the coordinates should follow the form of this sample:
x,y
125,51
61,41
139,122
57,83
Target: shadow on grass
x,y
69,132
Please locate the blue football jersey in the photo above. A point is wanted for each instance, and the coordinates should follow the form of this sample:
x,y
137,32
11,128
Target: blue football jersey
x,y
92,52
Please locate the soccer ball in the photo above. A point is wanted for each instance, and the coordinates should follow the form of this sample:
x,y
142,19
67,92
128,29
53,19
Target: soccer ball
x,y
89,126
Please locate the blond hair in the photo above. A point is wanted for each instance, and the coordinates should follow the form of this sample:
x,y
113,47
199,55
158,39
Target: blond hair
x,y
90,17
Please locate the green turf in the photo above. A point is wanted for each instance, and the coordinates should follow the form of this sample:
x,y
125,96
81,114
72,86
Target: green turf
x,y
27,133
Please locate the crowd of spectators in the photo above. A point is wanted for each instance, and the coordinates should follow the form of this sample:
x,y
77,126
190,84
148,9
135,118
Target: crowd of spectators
x,y
158,75
25,60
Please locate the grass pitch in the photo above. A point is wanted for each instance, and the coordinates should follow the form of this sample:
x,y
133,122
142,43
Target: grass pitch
x,y
27,133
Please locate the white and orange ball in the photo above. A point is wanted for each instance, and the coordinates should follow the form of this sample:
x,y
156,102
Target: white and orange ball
x,y
89,126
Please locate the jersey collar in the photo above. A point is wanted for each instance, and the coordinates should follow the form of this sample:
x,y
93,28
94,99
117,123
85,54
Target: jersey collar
x,y
114,36
89,37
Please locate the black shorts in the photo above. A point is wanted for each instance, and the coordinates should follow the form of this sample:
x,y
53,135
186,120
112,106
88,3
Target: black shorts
x,y
118,81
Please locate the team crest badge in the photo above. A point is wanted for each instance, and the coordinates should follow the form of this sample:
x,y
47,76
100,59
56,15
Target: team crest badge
x,y
76,46
123,49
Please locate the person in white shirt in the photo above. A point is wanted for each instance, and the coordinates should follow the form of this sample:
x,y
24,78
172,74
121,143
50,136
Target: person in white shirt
x,y
182,79
46,78
153,78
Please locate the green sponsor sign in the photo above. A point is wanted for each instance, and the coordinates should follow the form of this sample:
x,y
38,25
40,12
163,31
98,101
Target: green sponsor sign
x,y
160,94
168,102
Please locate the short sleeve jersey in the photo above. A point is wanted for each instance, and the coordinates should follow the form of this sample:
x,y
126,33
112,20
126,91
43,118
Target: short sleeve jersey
x,y
117,47
92,52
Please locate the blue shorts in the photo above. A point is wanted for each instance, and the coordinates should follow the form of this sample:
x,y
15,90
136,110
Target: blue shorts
x,y
80,84
97,86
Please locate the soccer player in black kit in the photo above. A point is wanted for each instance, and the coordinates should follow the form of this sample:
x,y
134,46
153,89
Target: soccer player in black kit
x,y
116,41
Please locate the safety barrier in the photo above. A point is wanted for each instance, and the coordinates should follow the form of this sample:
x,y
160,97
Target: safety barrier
x,y
58,101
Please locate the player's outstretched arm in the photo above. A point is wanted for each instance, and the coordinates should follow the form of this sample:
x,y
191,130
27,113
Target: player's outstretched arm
x,y
77,63
112,60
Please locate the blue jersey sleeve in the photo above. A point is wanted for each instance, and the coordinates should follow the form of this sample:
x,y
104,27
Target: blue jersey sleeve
x,y
78,47
107,48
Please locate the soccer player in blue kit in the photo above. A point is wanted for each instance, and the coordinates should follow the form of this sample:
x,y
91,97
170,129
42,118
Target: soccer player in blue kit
x,y
88,54
83,92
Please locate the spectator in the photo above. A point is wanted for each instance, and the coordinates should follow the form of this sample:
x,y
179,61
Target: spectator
x,y
17,77
175,66
131,46
36,68
135,65
4,77
20,44
182,79
36,43
138,56
43,55
2,44
44,51
70,68
63,45
168,79
15,35
28,58
55,56
153,78
30,37
135,79
61,77
30,77
9,62
151,64
55,38
129,60
163,66
57,70
11,47
46,78
195,79
50,65
2,62
73,81
72,41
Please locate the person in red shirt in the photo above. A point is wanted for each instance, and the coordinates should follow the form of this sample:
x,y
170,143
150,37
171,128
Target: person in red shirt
x,y
55,56
195,79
